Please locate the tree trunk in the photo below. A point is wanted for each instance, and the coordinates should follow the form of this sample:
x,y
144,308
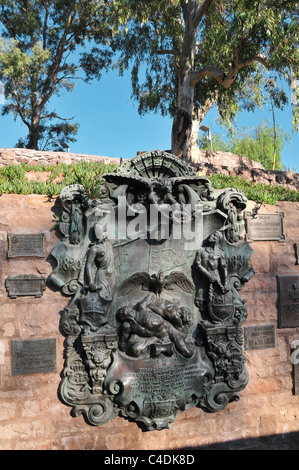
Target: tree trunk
x,y
182,122
184,138
34,128
186,124
33,138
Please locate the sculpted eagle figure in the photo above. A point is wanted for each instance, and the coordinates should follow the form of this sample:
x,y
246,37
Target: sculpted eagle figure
x,y
156,282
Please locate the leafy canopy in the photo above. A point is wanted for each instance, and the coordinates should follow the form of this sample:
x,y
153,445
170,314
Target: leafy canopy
x,y
239,45
42,52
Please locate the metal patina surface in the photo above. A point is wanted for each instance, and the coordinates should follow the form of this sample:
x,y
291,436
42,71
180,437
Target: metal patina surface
x,y
33,356
153,266
288,300
26,245
262,227
25,285
259,337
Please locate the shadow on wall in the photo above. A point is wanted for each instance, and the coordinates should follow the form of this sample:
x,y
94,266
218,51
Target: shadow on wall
x,y
288,441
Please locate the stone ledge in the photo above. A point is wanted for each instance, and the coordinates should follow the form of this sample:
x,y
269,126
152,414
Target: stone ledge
x,y
35,157
235,165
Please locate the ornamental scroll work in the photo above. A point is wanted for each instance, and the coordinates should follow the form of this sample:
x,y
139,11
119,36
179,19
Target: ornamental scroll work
x,y
153,266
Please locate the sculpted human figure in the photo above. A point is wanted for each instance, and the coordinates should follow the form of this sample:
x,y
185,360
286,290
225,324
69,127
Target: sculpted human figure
x,y
76,227
100,271
101,284
211,264
152,322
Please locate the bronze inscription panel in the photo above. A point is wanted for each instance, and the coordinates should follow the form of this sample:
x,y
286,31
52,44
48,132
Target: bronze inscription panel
x,y
26,245
25,285
263,227
259,337
295,379
295,362
288,301
33,356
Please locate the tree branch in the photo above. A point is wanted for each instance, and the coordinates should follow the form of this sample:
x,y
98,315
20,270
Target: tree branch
x,y
47,92
20,107
201,11
226,80
168,51
215,72
45,26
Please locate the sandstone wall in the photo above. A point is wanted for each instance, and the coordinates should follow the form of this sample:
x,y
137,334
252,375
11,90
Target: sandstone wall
x,y
16,156
33,417
235,165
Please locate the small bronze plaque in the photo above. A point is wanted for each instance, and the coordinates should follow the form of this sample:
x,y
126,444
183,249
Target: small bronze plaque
x,y
259,337
295,379
24,285
33,356
264,227
295,362
26,245
288,301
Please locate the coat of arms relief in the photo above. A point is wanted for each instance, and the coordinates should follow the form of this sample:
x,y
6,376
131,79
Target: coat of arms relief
x,y
153,266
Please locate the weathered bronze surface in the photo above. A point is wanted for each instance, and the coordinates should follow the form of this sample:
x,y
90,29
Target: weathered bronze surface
x,y
288,301
25,285
26,245
33,356
296,379
259,337
295,362
263,227
153,267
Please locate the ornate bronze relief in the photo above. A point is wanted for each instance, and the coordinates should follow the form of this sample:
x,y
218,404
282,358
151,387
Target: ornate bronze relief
x,y
153,267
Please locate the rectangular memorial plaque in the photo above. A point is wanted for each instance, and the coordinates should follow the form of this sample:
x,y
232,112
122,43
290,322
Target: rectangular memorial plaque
x,y
295,362
33,356
288,301
264,227
25,284
26,245
295,379
259,337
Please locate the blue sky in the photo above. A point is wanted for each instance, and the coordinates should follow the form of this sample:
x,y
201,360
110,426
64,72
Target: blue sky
x,y
111,126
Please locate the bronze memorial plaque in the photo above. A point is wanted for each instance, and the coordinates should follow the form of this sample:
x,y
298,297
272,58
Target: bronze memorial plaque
x,y
33,356
153,266
296,379
295,362
26,245
259,337
264,227
288,301
25,285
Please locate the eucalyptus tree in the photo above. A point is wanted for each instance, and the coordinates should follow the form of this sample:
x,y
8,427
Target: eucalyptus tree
x,y
187,55
42,51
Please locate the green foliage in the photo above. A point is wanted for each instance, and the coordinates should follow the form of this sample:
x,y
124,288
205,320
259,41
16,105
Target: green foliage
x,y
42,52
13,181
13,177
262,145
237,46
266,193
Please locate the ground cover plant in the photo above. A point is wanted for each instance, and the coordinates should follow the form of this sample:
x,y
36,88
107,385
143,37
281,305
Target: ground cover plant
x,y
14,180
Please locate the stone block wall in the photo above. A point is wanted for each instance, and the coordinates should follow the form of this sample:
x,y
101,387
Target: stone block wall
x,y
31,413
